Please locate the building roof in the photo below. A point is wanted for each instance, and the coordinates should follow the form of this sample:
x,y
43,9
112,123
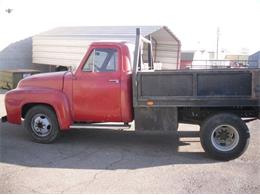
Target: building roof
x,y
256,53
111,32
101,30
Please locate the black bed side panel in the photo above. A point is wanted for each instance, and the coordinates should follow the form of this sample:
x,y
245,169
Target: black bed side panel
x,y
256,84
196,84
166,85
225,84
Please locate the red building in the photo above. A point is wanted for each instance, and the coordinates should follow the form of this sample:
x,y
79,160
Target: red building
x,y
186,59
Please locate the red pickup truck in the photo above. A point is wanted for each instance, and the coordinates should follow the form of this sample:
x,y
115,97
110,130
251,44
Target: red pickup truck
x,y
109,90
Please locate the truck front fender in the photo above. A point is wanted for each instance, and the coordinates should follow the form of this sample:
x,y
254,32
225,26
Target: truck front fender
x,y
17,99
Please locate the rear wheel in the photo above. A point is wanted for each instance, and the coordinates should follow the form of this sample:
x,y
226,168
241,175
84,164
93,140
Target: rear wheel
x,y
42,124
224,136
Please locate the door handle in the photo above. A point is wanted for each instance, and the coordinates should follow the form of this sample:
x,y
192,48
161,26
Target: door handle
x,y
114,81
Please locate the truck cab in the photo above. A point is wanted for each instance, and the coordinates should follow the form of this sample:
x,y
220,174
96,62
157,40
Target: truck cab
x,y
102,85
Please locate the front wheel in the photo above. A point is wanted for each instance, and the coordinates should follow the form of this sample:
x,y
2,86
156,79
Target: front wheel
x,y
42,124
224,136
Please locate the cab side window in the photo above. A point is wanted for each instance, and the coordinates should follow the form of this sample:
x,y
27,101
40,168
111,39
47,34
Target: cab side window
x,y
102,60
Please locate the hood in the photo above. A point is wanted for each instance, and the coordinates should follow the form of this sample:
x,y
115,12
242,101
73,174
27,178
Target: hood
x,y
47,80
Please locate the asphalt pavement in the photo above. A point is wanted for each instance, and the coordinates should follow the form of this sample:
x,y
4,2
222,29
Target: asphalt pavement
x,y
105,161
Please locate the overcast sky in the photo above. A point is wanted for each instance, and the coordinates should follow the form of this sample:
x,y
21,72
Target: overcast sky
x,y
194,22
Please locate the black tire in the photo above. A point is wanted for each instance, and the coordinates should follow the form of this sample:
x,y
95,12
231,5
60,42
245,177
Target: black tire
x,y
224,122
45,113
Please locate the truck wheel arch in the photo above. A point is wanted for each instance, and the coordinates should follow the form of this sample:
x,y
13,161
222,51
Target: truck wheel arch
x,y
28,106
63,122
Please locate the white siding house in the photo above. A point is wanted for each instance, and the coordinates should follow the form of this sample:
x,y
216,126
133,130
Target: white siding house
x,y
18,55
66,46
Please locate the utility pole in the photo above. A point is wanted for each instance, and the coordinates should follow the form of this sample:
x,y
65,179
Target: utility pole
x,y
217,43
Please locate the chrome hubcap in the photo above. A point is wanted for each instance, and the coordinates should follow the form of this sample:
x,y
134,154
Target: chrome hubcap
x,y
41,125
225,138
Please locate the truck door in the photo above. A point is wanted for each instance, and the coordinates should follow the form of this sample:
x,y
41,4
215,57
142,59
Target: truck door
x,y
97,87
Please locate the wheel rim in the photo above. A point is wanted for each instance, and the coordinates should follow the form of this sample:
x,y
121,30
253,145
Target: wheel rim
x,y
41,125
225,138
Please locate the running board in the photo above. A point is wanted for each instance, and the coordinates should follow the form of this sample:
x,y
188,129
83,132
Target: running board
x,y
100,126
